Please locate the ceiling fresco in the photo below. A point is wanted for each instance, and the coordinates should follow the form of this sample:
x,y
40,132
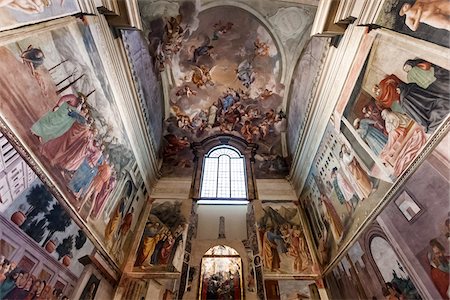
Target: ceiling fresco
x,y
224,71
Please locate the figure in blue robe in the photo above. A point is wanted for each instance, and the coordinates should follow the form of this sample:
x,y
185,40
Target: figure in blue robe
x,y
374,138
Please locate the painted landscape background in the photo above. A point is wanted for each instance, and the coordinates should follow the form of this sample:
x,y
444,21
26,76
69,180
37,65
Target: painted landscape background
x,y
69,121
405,251
37,235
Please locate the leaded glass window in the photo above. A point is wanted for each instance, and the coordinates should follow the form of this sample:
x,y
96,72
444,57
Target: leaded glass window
x,y
223,174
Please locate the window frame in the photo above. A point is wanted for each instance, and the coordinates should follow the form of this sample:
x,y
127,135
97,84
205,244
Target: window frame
x,y
202,148
208,157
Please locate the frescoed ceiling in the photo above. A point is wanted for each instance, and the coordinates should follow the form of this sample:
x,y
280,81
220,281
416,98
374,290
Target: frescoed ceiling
x,y
224,70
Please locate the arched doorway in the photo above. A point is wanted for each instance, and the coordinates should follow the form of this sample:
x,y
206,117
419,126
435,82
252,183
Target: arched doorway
x,y
221,274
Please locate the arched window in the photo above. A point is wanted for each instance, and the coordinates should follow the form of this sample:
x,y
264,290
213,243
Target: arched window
x,y
224,174
223,170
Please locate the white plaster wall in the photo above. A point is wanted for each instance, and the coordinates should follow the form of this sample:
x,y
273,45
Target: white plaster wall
x,y
235,221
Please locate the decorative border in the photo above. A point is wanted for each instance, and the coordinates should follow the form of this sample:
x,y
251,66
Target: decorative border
x,y
309,108
45,177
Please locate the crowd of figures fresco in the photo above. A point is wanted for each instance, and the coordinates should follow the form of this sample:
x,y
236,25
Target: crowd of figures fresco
x,y
39,243
222,81
162,243
284,249
397,104
68,120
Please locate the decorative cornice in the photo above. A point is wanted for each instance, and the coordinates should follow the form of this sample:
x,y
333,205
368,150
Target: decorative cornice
x,y
324,24
87,7
120,13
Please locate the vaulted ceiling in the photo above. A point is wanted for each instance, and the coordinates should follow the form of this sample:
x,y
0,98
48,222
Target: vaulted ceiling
x,y
226,67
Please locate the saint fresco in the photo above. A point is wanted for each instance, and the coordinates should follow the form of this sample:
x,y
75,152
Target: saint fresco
x,y
221,81
282,239
397,104
58,102
15,13
162,243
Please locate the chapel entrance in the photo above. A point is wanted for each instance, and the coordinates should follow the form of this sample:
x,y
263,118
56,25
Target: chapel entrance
x,y
221,274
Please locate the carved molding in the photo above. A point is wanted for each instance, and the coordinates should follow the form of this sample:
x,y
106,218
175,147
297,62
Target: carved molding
x,y
87,7
324,22
370,11
335,70
109,7
342,12
120,13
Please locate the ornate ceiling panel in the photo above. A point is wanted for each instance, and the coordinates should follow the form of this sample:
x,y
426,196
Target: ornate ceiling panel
x,y
223,69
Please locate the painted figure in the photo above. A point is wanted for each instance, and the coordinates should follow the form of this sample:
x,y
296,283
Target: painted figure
x,y
114,221
373,137
25,6
299,249
56,122
33,58
372,112
204,49
70,149
400,150
336,226
102,177
361,180
82,178
152,234
428,76
433,13
343,189
245,73
428,107
439,268
124,228
100,200
271,258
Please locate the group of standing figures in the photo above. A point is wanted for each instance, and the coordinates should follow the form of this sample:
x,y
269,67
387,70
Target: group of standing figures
x,y
70,142
396,124
425,97
284,241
